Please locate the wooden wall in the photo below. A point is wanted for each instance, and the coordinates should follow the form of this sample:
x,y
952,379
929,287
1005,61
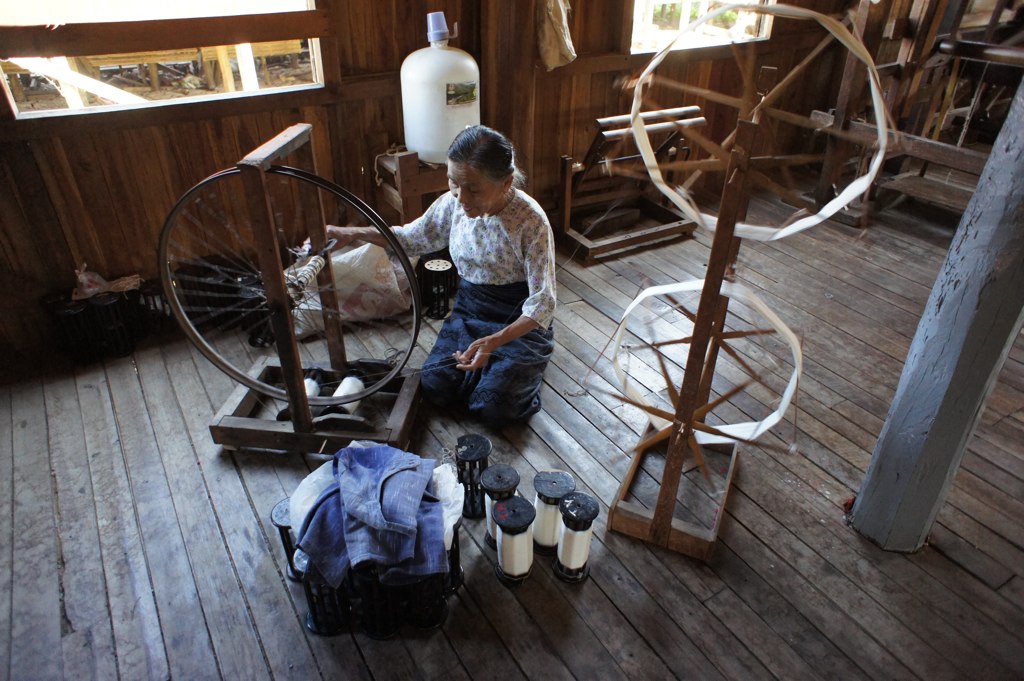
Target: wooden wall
x,y
95,188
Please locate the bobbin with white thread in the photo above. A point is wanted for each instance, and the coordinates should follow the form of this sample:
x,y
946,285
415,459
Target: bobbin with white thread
x,y
550,486
499,482
578,510
514,518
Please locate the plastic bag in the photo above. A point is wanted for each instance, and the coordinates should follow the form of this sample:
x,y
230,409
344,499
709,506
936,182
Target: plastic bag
x,y
370,285
89,283
306,494
452,494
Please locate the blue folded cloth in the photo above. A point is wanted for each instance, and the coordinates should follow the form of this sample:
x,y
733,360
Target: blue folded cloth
x,y
379,510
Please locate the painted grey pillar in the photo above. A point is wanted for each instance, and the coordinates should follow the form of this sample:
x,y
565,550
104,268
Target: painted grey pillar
x,y
972,318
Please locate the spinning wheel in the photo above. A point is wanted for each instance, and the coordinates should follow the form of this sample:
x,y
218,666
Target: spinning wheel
x,y
683,425
273,313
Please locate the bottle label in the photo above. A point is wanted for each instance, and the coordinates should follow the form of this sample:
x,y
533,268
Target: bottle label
x,y
459,94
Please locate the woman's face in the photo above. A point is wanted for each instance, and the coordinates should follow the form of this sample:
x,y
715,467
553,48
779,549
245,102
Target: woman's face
x,y
478,194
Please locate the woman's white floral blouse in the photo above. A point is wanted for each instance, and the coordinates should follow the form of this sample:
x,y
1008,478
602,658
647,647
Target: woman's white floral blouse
x,y
514,245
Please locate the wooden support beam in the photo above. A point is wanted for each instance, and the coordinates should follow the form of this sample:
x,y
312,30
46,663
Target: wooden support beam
x,y
950,155
972,318
82,40
264,229
734,207
869,24
997,54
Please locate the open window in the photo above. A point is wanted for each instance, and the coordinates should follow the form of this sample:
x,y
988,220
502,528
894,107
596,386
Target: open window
x,y
658,22
60,57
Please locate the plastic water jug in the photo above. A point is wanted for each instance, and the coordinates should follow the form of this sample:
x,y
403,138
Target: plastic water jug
x,y
440,93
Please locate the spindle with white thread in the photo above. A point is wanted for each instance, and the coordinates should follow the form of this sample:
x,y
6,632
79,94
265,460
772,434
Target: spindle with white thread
x,y
499,482
578,510
514,519
550,487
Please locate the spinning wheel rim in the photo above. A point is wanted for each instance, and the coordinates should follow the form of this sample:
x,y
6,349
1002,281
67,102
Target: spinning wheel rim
x,y
198,339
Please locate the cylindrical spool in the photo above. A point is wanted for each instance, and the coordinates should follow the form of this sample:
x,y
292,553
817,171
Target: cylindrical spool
x,y
115,332
298,279
499,482
514,518
435,288
471,455
280,518
578,510
76,332
455,572
349,385
550,486
311,384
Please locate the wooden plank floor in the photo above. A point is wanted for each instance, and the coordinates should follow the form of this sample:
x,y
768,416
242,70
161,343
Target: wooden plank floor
x,y
135,548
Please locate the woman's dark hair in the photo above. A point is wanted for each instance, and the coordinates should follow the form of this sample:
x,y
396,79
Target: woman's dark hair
x,y
488,151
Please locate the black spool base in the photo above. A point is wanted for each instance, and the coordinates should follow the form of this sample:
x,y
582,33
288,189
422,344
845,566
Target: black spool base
x,y
572,576
280,518
510,580
491,541
542,550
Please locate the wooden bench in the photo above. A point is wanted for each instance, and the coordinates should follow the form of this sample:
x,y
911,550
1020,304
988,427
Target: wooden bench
x,y
952,192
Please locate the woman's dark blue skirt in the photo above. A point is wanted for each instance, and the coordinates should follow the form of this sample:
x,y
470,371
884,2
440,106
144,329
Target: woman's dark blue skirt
x,y
508,388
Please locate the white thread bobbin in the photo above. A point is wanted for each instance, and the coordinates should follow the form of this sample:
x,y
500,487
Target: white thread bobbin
x,y
499,482
350,385
578,511
514,517
550,486
311,384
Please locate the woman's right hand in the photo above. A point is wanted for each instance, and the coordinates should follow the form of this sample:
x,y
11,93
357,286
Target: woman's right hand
x,y
342,235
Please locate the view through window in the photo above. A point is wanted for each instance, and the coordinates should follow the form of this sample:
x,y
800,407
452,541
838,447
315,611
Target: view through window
x,y
43,85
657,22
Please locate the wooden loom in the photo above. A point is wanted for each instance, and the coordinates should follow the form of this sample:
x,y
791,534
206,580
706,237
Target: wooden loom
x,y
658,525
599,197
236,424
744,170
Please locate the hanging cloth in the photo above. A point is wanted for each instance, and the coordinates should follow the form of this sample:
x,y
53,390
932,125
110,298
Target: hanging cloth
x,y
553,37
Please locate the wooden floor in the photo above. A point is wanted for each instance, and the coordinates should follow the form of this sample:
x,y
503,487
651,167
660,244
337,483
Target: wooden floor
x,y
134,548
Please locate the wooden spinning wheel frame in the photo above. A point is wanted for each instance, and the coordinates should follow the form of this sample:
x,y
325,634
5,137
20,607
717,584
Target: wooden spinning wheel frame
x,y
746,168
230,271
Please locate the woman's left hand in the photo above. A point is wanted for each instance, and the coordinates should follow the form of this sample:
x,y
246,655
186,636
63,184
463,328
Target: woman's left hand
x,y
477,355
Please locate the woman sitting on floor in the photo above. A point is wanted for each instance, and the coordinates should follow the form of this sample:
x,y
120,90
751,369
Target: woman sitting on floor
x,y
491,352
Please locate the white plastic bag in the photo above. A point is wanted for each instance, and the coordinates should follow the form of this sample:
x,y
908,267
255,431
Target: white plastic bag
x,y
89,283
370,285
452,494
306,494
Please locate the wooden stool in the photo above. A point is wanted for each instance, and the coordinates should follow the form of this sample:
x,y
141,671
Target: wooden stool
x,y
407,185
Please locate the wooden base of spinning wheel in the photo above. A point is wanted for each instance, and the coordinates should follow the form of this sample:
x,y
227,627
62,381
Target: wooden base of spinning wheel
x,y
238,424
689,538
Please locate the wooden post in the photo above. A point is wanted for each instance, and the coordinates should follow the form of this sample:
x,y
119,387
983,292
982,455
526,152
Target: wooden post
x,y
508,68
973,315
253,168
869,24
734,203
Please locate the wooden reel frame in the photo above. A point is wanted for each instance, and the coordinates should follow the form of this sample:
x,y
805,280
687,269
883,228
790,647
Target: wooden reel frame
x,y
584,193
658,525
235,425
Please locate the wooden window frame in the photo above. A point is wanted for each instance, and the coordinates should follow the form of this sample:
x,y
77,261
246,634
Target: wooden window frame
x,y
626,38
75,40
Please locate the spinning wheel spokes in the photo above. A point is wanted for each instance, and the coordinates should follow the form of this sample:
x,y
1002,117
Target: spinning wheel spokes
x,y
209,265
749,345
